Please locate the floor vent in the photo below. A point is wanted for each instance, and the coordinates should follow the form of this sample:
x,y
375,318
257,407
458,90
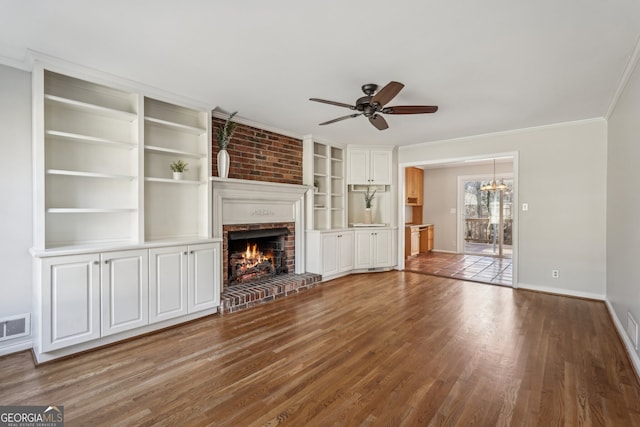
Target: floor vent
x,y
15,326
632,330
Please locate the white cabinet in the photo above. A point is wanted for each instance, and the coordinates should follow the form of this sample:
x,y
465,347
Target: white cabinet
x,y
374,248
167,283
369,166
330,253
204,276
124,286
324,168
183,279
69,299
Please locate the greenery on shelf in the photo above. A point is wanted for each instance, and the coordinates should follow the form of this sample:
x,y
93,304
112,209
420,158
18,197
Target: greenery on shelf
x,y
179,166
225,132
368,197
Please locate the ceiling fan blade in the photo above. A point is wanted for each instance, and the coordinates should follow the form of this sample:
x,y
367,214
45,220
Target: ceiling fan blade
x,y
410,109
341,118
379,122
387,93
339,104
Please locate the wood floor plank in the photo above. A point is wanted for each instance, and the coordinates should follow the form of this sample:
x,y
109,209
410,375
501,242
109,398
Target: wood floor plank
x,y
395,348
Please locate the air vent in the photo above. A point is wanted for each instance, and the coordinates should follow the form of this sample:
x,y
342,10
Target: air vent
x,y
15,326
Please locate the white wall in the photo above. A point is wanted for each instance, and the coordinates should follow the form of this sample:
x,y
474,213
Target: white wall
x,y
441,194
561,175
16,193
623,205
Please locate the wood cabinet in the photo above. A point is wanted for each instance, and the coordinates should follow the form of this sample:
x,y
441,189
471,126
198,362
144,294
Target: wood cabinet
x,y
414,184
418,239
124,284
369,166
332,252
374,248
426,239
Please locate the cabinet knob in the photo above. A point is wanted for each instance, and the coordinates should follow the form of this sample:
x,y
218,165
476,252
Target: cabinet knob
x,y
185,252
192,252
106,261
96,262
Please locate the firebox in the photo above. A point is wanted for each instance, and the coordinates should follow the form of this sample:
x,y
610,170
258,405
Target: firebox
x,y
253,255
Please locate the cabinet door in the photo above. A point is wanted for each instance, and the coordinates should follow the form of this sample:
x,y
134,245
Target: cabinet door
x,y
125,290
382,248
380,167
330,254
358,166
204,276
167,283
70,301
363,255
415,242
345,252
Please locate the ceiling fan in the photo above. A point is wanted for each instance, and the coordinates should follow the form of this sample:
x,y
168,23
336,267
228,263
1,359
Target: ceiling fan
x,y
372,105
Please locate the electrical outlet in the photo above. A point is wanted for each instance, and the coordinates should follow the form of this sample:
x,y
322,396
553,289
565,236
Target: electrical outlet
x,y
555,274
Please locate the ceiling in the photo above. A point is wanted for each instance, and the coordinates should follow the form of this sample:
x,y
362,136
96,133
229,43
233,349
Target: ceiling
x,y
490,66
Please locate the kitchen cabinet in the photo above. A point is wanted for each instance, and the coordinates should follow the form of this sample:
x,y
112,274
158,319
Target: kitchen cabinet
x,y
369,166
414,184
426,238
373,248
332,252
124,284
411,241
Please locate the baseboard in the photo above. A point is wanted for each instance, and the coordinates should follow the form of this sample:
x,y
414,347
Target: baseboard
x,y
14,347
626,341
561,291
442,251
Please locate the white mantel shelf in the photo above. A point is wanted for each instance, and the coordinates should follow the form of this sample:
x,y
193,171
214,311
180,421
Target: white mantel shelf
x,y
240,201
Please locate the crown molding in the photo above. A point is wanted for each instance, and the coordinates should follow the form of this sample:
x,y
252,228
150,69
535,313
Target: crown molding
x,y
218,113
632,63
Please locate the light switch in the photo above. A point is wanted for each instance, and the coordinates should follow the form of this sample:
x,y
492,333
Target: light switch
x,y
525,207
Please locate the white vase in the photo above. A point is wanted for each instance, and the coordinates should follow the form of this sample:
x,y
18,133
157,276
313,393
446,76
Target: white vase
x,y
367,216
177,176
223,164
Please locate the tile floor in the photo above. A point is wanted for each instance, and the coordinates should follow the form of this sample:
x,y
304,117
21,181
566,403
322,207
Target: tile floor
x,y
497,271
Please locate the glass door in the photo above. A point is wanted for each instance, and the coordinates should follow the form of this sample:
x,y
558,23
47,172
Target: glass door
x,y
487,218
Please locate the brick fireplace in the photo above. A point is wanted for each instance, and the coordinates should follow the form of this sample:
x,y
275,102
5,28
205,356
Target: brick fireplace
x,y
254,252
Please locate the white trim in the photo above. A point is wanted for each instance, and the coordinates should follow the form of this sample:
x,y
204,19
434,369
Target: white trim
x,y
15,347
561,291
626,341
14,63
501,133
629,68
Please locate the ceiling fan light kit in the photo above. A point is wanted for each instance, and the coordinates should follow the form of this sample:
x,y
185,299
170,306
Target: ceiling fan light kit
x,y
373,104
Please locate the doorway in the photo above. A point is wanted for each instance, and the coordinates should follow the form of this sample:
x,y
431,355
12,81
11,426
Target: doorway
x,y
486,217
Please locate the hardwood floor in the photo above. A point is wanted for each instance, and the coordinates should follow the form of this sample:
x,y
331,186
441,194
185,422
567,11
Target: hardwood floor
x,y
395,348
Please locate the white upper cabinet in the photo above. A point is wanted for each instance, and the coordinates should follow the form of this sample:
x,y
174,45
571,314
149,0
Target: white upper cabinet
x,y
369,166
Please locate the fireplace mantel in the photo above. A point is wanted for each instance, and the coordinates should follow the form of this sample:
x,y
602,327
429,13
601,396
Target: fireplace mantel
x,y
239,201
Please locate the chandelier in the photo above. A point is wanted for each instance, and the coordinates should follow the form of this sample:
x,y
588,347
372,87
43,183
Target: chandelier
x,y
494,186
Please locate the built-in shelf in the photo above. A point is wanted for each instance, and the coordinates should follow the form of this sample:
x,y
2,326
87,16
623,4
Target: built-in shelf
x,y
90,108
88,174
88,210
174,181
87,139
176,126
172,151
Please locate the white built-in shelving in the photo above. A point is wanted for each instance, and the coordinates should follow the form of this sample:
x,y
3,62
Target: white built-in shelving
x,y
326,206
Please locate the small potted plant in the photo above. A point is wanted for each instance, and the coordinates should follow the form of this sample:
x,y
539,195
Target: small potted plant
x,y
178,167
316,185
368,198
223,137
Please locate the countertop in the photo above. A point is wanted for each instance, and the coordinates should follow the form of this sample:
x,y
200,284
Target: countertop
x,y
417,225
